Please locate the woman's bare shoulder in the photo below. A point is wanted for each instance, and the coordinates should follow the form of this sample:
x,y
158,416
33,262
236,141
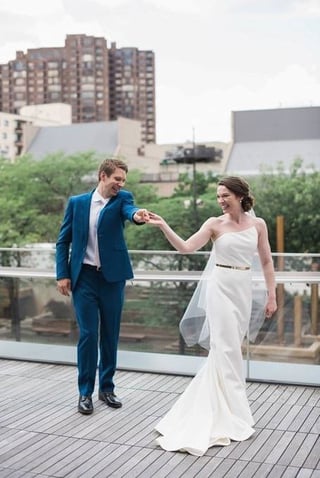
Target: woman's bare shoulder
x,y
214,225
213,221
259,221
260,224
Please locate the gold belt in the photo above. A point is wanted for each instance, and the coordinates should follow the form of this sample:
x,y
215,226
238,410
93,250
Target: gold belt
x,y
244,268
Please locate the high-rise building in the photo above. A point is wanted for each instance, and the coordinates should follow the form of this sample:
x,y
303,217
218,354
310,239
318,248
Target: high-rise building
x,y
100,84
132,87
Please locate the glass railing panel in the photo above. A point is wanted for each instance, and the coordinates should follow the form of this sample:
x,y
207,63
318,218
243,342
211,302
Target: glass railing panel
x,y
151,316
293,334
40,257
32,311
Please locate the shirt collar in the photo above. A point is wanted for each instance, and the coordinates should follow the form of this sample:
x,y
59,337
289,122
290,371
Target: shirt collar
x,y
96,197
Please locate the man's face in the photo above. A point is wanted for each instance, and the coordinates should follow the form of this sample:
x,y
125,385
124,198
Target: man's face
x,y
111,185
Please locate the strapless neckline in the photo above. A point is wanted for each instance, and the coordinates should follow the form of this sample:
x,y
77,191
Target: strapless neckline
x,y
235,232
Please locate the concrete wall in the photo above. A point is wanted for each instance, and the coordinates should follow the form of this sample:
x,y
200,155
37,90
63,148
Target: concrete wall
x,y
47,114
285,124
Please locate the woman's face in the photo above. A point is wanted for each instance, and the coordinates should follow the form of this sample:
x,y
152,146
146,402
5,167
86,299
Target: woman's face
x,y
227,200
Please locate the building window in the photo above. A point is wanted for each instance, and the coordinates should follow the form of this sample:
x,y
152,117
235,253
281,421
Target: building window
x,y
19,66
87,94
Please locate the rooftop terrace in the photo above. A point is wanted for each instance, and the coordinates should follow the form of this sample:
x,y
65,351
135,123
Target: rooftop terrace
x,y
43,435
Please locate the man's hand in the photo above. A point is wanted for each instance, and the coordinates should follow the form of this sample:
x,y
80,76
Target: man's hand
x,y
64,286
141,216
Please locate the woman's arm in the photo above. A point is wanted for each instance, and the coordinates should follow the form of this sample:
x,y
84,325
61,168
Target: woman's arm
x,y
195,242
267,267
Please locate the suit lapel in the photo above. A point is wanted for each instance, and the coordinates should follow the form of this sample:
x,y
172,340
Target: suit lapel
x,y
86,211
103,211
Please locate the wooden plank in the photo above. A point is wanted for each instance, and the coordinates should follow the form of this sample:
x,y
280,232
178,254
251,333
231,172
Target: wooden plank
x,y
289,417
281,445
50,454
129,462
313,457
256,444
301,419
102,460
315,474
43,435
276,471
236,469
290,472
310,423
172,468
250,471
209,470
75,457
290,452
302,454
143,465
153,469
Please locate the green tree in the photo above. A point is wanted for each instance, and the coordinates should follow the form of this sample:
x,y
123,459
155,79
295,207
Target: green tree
x,y
295,195
178,215
33,195
144,194
32,199
198,184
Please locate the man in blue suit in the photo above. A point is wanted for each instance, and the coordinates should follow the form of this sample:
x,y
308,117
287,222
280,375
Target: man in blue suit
x,y
95,270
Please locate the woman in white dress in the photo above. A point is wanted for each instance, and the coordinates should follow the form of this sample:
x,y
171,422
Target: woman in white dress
x,y
214,409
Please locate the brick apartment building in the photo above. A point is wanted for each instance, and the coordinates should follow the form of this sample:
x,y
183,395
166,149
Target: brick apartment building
x,y
99,83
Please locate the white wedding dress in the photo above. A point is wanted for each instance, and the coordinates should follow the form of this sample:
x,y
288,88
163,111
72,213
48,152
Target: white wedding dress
x,y
214,409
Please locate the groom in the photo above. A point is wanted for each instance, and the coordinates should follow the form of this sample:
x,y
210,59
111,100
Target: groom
x,y
95,271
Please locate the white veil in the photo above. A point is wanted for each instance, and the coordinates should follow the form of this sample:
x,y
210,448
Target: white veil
x,y
194,326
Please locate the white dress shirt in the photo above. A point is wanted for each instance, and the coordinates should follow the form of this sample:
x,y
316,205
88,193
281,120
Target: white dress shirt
x,y
92,253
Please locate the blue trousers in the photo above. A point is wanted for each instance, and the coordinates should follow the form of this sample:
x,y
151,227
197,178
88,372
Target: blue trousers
x,y
98,306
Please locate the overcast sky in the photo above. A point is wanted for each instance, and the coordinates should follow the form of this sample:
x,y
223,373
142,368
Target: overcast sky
x,y
212,56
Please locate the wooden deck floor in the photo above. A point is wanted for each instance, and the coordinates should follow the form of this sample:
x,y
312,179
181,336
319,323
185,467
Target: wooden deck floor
x,y
42,435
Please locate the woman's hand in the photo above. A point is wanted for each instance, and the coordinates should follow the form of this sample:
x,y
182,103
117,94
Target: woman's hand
x,y
155,219
271,307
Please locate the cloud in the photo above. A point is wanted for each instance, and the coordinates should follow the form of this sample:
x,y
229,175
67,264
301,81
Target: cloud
x,y
209,110
212,56
32,8
307,8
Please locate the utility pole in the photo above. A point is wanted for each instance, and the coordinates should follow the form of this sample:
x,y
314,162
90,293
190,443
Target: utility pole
x,y
194,180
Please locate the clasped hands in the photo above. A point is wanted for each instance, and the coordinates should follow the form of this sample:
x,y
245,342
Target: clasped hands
x,y
145,216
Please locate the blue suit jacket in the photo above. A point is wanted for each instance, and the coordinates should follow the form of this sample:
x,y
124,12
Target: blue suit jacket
x,y
114,257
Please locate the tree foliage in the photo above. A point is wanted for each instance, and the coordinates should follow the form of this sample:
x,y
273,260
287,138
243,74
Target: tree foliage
x,y
144,194
295,195
33,195
193,185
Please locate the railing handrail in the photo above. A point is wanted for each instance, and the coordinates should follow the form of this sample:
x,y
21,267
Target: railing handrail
x,y
281,276
160,252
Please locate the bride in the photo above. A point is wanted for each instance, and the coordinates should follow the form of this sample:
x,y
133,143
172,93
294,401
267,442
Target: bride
x,y
214,409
